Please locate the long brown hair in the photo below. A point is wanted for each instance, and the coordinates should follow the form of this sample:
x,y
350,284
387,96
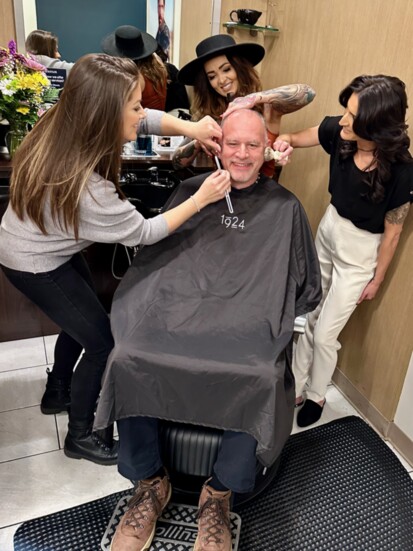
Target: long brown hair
x,y
40,42
154,70
81,134
206,101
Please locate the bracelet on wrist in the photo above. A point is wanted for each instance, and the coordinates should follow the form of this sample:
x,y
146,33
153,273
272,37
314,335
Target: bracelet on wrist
x,y
195,203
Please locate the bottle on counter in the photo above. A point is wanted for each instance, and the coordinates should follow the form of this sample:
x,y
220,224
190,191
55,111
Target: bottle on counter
x,y
144,144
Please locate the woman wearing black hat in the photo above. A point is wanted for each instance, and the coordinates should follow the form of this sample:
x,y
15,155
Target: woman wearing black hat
x,y
224,70
129,41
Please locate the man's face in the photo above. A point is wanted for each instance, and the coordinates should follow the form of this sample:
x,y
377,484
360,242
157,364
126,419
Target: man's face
x,y
243,143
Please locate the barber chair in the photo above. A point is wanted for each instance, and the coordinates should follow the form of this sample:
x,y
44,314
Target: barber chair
x,y
189,453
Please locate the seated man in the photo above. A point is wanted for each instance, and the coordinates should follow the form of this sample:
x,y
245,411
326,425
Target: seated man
x,y
203,325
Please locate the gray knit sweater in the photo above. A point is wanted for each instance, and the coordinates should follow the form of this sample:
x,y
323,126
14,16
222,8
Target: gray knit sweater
x,y
104,218
53,63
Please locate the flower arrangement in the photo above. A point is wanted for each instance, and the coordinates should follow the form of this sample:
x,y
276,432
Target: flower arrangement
x,y
24,89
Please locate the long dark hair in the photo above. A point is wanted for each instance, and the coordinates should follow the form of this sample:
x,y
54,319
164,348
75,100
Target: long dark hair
x,y
381,116
207,101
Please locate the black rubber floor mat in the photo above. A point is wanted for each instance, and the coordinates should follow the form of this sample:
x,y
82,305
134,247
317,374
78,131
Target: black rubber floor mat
x,y
339,488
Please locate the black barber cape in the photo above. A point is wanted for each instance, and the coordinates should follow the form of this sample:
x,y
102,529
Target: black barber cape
x,y
203,320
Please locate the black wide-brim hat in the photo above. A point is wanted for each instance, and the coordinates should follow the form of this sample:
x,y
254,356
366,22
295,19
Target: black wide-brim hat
x,y
214,46
129,41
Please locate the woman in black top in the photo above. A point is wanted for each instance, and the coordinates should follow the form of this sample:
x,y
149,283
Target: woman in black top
x,y
371,183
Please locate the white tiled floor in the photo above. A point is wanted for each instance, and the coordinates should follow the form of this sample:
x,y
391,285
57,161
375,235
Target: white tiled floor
x,y
36,478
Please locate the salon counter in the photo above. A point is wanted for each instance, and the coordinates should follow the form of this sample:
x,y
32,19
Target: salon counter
x,y
20,318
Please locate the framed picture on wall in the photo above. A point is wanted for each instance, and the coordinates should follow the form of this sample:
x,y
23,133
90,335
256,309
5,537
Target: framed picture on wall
x,y
163,19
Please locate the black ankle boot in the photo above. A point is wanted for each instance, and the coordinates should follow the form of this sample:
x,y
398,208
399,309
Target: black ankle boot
x,y
85,444
56,397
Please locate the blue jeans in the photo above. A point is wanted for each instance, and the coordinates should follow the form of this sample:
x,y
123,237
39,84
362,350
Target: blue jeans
x,y
139,454
67,296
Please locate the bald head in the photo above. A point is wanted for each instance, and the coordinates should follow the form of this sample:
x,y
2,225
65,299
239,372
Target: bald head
x,y
246,117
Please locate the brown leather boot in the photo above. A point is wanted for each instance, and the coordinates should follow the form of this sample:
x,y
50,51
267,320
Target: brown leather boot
x,y
214,528
136,528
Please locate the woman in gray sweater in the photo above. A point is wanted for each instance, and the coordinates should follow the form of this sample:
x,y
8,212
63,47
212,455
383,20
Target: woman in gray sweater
x,y
65,195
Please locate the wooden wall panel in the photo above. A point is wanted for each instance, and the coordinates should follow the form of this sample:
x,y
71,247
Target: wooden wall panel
x,y
196,21
7,26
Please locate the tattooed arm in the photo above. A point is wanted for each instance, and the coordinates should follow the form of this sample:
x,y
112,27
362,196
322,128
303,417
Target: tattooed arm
x,y
393,225
185,154
289,98
276,103
284,99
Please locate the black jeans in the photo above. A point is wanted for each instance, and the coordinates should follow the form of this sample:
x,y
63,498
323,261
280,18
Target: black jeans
x,y
139,454
67,296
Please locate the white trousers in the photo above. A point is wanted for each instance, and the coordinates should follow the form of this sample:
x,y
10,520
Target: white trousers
x,y
348,257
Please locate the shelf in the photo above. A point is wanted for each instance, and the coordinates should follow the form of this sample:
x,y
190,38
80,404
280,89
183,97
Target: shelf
x,y
253,29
